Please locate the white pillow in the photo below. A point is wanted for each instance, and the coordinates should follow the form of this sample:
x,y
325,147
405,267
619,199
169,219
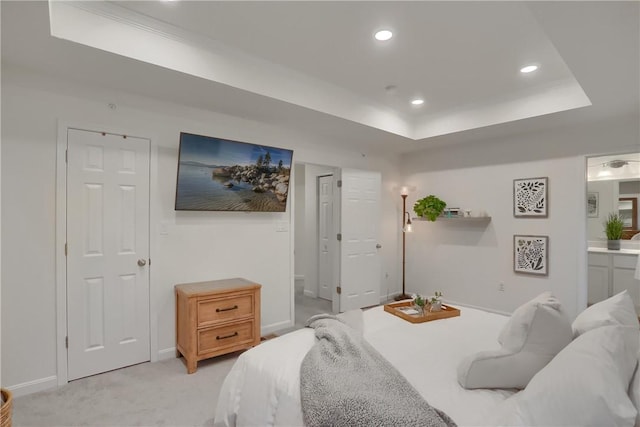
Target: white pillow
x,y
634,391
515,331
584,385
617,310
535,333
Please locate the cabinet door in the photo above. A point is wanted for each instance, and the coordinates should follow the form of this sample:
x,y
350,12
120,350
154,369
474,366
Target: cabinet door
x,y
623,279
598,284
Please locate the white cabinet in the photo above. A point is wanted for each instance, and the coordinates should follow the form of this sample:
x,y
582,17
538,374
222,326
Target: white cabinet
x,y
610,273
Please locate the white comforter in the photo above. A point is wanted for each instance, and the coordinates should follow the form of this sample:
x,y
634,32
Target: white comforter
x,y
263,387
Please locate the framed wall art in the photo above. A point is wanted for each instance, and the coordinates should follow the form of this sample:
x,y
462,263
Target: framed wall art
x,y
530,198
593,203
531,255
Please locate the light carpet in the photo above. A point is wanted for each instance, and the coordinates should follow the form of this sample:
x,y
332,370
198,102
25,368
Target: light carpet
x,y
148,394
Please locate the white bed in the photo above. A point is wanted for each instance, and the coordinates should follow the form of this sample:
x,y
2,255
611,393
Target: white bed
x,y
263,387
579,373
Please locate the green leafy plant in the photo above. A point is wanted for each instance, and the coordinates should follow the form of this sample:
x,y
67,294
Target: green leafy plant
x,y
429,207
419,301
613,226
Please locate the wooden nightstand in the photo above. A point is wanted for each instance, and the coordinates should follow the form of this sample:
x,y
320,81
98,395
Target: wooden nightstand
x,y
215,318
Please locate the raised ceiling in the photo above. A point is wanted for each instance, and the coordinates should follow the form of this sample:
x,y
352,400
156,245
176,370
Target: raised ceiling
x,y
315,67
462,58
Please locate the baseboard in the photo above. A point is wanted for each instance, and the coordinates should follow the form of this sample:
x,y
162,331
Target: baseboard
x,y
34,386
166,353
490,310
310,294
387,297
299,277
274,327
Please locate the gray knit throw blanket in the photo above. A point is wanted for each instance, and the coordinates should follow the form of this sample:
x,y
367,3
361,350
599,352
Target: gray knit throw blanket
x,y
344,381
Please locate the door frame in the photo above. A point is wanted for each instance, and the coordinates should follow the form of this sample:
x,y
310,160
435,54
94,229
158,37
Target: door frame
x,y
61,233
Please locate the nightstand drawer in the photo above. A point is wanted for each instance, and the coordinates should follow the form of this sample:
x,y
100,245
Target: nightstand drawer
x,y
211,311
220,337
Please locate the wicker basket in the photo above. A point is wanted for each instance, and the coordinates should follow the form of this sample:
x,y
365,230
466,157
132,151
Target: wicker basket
x,y
5,411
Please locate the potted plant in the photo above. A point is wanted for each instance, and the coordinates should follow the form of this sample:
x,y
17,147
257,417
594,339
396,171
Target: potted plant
x,y
435,302
429,207
420,302
613,227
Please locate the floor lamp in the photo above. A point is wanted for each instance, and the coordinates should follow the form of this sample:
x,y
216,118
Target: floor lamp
x,y
406,228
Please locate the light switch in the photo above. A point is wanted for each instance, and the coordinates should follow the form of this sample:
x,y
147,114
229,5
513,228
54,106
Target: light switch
x,y
164,228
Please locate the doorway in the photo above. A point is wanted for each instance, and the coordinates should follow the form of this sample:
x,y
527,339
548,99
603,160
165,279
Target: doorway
x,y
107,252
613,188
326,237
336,246
315,240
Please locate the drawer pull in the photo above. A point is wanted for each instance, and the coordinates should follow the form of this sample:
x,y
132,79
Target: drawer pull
x,y
235,334
218,310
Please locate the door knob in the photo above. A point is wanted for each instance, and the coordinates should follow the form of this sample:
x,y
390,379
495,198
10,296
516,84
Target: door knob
x,y
142,262
378,246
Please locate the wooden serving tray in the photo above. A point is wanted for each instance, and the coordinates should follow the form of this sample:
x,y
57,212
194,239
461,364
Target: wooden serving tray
x,y
445,312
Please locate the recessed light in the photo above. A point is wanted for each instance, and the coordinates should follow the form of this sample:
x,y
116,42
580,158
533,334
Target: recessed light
x,y
383,35
528,69
417,101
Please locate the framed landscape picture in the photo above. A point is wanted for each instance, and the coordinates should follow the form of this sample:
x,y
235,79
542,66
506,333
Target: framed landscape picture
x,y
592,204
531,255
530,198
216,174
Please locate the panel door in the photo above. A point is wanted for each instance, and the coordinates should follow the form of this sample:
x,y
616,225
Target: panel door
x,y
359,223
326,237
107,238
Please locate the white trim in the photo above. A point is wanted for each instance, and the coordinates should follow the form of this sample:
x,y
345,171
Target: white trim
x,y
166,354
33,386
477,307
154,221
61,265
275,327
292,243
310,294
61,233
583,254
389,296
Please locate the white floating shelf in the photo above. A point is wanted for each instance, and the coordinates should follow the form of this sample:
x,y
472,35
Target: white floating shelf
x,y
465,219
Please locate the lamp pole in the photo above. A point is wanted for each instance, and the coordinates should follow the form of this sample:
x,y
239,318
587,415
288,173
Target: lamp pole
x,y
403,295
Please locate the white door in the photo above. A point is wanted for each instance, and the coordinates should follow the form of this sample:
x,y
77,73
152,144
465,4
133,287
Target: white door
x,y
107,252
359,257
326,237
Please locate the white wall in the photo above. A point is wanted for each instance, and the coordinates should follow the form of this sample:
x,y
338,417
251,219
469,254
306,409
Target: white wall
x,y
607,203
467,263
299,200
198,245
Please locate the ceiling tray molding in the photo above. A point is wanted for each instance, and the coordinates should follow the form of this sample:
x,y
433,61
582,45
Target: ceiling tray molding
x,y
112,28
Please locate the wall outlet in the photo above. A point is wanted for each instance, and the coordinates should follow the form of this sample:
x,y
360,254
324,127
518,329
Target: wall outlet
x,y
501,287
